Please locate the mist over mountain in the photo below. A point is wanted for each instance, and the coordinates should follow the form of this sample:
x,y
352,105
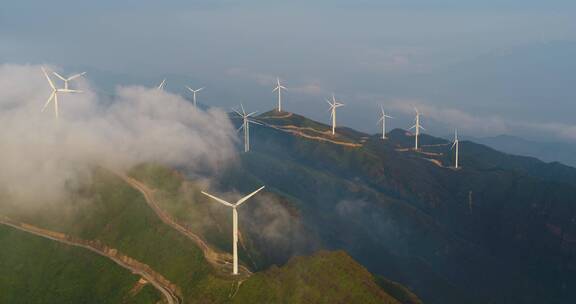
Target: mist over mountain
x,y
546,151
120,185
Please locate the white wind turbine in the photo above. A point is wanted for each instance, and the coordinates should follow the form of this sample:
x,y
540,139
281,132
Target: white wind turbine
x,y
70,78
162,84
234,222
194,93
54,94
279,88
382,119
333,105
455,144
246,121
417,128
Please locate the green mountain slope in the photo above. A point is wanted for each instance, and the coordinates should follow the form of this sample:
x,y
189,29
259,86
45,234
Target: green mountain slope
x,y
485,233
111,212
37,270
323,278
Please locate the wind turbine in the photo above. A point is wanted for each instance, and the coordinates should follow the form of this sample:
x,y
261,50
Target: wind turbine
x,y
333,105
162,84
246,126
382,119
234,222
279,88
54,94
417,128
455,144
69,78
194,93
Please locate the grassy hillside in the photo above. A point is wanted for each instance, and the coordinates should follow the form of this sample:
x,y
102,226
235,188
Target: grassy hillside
x,y
109,210
118,216
325,277
475,229
37,270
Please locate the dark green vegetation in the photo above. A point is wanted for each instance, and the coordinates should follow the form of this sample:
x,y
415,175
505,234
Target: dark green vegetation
x,y
109,210
117,215
325,277
499,230
37,270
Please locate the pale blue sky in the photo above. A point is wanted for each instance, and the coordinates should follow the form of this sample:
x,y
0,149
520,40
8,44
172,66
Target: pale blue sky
x,y
508,61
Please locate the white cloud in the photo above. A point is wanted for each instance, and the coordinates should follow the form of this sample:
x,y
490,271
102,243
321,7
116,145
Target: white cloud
x,y
483,125
41,154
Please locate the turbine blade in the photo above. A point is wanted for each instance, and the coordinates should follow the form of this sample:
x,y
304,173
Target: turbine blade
x,y
48,78
255,122
59,76
241,127
76,76
48,102
190,89
56,105
275,89
243,112
412,127
162,84
217,199
239,114
242,200
248,115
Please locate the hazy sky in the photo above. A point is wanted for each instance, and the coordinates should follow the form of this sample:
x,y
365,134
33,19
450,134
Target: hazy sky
x,y
486,67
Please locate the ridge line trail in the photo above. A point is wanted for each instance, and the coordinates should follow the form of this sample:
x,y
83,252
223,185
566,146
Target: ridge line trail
x,y
170,291
217,259
298,131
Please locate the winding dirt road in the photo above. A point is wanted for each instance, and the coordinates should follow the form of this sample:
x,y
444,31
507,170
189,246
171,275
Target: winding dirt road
x,y
219,260
170,291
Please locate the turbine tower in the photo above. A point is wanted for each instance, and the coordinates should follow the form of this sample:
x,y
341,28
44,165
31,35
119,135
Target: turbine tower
x,y
246,121
333,105
234,222
69,78
54,94
455,144
382,119
162,84
417,128
194,93
279,88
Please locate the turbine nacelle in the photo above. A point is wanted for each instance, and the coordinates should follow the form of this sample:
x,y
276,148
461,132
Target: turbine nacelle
x,y
55,91
279,87
238,202
234,222
162,84
456,141
194,93
70,78
246,121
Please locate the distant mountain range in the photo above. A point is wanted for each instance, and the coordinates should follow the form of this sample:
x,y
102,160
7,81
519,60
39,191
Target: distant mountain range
x,y
546,151
501,229
486,233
